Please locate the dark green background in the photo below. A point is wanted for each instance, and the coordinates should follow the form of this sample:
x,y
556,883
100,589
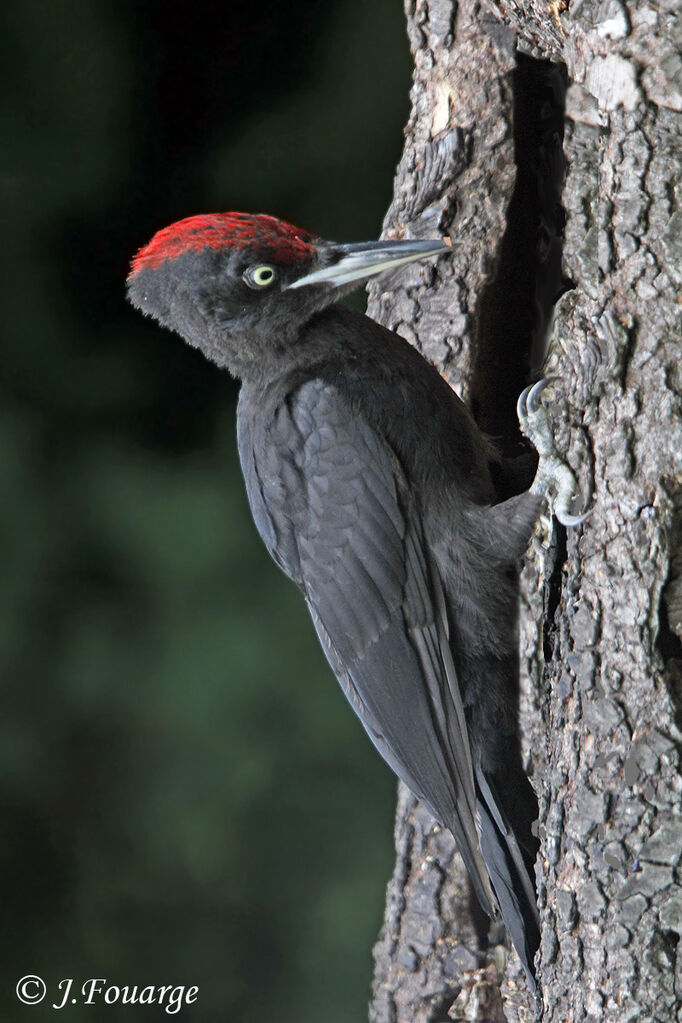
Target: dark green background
x,y
186,797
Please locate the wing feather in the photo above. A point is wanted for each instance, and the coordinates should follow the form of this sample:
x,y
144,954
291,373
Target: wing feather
x,y
332,503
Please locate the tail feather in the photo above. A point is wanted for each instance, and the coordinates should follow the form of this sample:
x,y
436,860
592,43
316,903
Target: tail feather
x,y
510,876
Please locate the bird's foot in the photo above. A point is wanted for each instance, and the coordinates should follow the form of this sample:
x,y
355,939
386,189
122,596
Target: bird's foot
x,y
554,479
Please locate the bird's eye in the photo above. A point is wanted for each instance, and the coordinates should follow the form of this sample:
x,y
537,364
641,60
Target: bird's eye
x,y
259,276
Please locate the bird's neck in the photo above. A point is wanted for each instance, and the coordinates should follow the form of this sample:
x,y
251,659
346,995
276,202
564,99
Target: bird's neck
x,y
255,356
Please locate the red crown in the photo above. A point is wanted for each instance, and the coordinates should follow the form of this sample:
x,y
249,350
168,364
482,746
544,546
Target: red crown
x,y
283,242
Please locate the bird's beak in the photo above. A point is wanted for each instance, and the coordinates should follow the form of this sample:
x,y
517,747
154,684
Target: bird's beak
x,y
365,259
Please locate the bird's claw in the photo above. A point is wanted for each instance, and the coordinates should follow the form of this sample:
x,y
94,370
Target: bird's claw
x,y
553,474
528,401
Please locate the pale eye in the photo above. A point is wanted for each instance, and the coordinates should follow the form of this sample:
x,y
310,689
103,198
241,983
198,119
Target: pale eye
x,y
259,276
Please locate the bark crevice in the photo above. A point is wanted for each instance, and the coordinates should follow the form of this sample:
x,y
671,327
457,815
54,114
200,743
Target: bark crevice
x,y
515,305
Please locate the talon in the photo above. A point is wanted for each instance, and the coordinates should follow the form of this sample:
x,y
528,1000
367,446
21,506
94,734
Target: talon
x,y
521,409
568,520
528,401
533,396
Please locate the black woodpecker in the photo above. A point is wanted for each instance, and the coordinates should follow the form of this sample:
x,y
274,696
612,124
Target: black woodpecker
x,y
373,489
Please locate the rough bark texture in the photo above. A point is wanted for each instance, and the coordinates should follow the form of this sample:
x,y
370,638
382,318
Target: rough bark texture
x,y
602,606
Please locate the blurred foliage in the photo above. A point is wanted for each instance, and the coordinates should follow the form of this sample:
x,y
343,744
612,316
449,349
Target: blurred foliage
x,y
186,797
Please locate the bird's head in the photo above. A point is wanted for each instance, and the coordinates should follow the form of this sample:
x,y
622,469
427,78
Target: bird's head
x,y
236,284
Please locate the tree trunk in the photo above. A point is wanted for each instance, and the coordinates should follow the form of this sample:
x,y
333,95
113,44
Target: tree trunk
x,y
601,607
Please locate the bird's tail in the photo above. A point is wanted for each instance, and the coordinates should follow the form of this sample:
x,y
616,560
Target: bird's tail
x,y
511,872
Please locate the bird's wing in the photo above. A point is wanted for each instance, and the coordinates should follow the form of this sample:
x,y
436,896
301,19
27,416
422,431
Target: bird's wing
x,y
333,506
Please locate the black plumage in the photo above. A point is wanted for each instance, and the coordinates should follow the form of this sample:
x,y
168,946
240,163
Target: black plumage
x,y
374,491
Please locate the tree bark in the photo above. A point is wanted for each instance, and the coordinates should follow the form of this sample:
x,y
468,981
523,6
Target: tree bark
x,y
601,605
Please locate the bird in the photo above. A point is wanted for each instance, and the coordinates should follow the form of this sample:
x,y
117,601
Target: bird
x,y
374,490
